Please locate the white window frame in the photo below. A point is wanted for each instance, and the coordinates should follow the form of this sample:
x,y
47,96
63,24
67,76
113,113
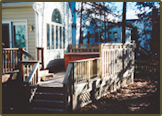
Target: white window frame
x,y
59,25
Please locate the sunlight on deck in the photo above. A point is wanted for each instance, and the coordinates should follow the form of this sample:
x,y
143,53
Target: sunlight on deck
x,y
56,81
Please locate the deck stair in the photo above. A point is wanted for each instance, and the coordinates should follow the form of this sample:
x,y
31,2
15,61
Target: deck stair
x,y
48,100
48,97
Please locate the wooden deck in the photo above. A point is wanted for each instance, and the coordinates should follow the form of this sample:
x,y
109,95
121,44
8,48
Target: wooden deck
x,y
56,81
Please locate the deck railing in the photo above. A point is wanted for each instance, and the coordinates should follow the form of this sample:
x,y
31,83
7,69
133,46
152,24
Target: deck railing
x,y
79,71
90,79
116,58
83,48
29,72
11,57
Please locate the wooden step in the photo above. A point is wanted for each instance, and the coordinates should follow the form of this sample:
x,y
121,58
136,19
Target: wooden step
x,y
44,110
50,89
47,103
48,95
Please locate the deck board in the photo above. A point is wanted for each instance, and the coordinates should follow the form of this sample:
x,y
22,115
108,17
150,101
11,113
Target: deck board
x,y
56,81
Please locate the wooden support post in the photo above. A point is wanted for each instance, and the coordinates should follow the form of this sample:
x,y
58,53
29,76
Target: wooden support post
x,y
21,54
3,54
100,67
20,71
65,98
89,70
42,58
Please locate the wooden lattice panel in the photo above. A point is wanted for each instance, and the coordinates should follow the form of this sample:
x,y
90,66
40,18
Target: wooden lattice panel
x,y
84,97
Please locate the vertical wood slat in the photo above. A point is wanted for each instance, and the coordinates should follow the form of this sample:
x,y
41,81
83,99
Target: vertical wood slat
x,y
3,54
6,61
23,70
16,58
89,70
20,71
11,60
8,67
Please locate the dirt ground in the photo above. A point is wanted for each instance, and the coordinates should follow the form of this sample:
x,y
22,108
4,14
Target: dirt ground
x,y
141,97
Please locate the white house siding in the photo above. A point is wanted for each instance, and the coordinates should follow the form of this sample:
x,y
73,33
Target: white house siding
x,y
22,13
66,16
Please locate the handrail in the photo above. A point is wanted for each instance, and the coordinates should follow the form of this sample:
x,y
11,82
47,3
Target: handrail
x,y
83,47
89,59
10,48
66,78
29,71
28,54
32,73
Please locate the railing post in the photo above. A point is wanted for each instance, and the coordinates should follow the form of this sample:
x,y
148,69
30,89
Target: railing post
x,y
100,66
89,71
42,55
65,97
21,54
42,58
20,71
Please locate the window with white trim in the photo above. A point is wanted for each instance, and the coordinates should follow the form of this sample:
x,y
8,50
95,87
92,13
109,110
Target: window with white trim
x,y
55,32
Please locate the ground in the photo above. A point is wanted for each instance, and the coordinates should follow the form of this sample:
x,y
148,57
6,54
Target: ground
x,y
140,97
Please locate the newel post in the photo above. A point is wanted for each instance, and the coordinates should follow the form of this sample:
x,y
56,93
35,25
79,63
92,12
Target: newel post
x,y
40,56
21,54
20,71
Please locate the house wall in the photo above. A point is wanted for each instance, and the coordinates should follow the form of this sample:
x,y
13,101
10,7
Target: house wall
x,y
117,29
22,13
53,54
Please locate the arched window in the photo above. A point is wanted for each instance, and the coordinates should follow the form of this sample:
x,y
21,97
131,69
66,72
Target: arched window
x,y
56,17
55,32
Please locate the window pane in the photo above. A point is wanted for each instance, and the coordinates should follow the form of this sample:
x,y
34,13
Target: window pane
x,y
109,36
56,37
60,37
5,35
19,36
48,36
56,17
63,37
115,36
52,36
